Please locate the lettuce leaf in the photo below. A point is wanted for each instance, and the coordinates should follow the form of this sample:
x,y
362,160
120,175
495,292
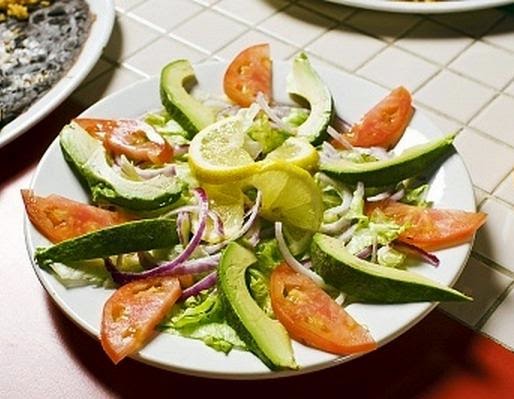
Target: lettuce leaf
x,y
268,137
390,257
258,285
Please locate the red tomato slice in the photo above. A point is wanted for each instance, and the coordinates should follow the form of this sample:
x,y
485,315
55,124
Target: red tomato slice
x,y
59,218
311,316
131,314
248,74
131,137
384,124
431,229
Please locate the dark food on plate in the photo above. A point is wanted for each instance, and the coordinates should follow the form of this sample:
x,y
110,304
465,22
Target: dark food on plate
x,y
37,51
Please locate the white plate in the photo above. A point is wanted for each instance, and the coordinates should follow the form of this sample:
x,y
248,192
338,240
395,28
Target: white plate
x,y
451,188
103,12
437,7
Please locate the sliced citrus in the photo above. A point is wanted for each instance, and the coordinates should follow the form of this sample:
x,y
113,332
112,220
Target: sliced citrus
x,y
296,150
289,195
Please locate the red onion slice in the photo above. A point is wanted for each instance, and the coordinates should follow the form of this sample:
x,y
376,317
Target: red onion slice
x,y
164,269
205,283
341,124
291,260
365,253
417,252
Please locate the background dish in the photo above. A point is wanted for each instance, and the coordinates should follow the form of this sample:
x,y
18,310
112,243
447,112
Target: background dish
x,y
424,7
103,14
451,188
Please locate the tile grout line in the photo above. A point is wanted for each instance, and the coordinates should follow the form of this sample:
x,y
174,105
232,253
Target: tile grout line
x,y
479,325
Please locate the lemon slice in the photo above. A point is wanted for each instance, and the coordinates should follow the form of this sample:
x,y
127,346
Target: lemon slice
x,y
296,150
217,154
289,195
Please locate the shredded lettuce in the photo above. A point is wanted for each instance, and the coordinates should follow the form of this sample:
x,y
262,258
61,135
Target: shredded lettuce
x,y
268,137
390,257
356,210
164,124
90,272
372,233
417,196
258,284
268,255
296,117
201,317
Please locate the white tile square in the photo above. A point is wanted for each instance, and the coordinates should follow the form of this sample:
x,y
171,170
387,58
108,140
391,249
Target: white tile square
x,y
434,42
474,23
483,284
250,12
500,325
485,63
497,119
107,83
164,13
375,24
393,67
127,37
279,50
454,95
206,2
502,34
494,239
125,5
487,161
447,125
334,11
209,30
505,190
346,47
296,25
155,56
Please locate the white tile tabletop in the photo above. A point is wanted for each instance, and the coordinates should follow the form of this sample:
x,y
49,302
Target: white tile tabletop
x,y
460,68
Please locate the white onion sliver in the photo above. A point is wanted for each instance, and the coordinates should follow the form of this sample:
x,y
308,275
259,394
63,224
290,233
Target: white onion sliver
x,y
261,101
397,196
347,234
335,227
291,260
339,138
379,197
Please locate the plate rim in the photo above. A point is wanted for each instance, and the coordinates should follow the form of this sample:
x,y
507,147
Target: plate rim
x,y
100,32
451,6
82,324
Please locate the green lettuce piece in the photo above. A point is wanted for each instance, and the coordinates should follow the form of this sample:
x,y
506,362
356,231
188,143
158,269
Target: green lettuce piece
x,y
91,272
201,317
258,285
268,255
296,117
390,257
373,233
356,210
268,137
416,196
357,156
164,124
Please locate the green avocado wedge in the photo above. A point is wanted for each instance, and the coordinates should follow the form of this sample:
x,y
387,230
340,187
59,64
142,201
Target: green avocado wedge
x,y
265,337
88,158
190,113
304,81
140,235
367,282
410,162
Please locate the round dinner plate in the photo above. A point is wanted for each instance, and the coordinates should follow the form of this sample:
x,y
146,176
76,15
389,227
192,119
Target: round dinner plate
x,y
450,188
430,7
103,13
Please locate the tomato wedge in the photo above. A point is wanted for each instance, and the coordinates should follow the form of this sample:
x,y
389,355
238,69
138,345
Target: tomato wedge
x,y
311,316
385,123
59,218
431,229
130,137
131,314
248,74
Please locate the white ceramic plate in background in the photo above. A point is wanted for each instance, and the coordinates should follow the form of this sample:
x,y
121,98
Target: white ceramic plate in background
x,y
103,13
451,188
432,7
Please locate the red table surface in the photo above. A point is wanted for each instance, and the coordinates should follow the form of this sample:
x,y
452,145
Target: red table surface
x,y
43,354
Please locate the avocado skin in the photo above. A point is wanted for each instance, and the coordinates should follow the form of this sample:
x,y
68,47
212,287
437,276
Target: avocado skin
x,y
362,286
140,235
382,173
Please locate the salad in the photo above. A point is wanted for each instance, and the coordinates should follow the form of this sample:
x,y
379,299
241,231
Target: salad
x,y
245,223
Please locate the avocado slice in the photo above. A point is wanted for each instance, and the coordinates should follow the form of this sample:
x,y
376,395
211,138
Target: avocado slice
x,y
368,282
140,235
305,82
190,113
409,163
265,337
88,158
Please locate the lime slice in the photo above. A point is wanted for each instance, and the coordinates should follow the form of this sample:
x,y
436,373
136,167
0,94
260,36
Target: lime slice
x,y
217,154
296,150
289,195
